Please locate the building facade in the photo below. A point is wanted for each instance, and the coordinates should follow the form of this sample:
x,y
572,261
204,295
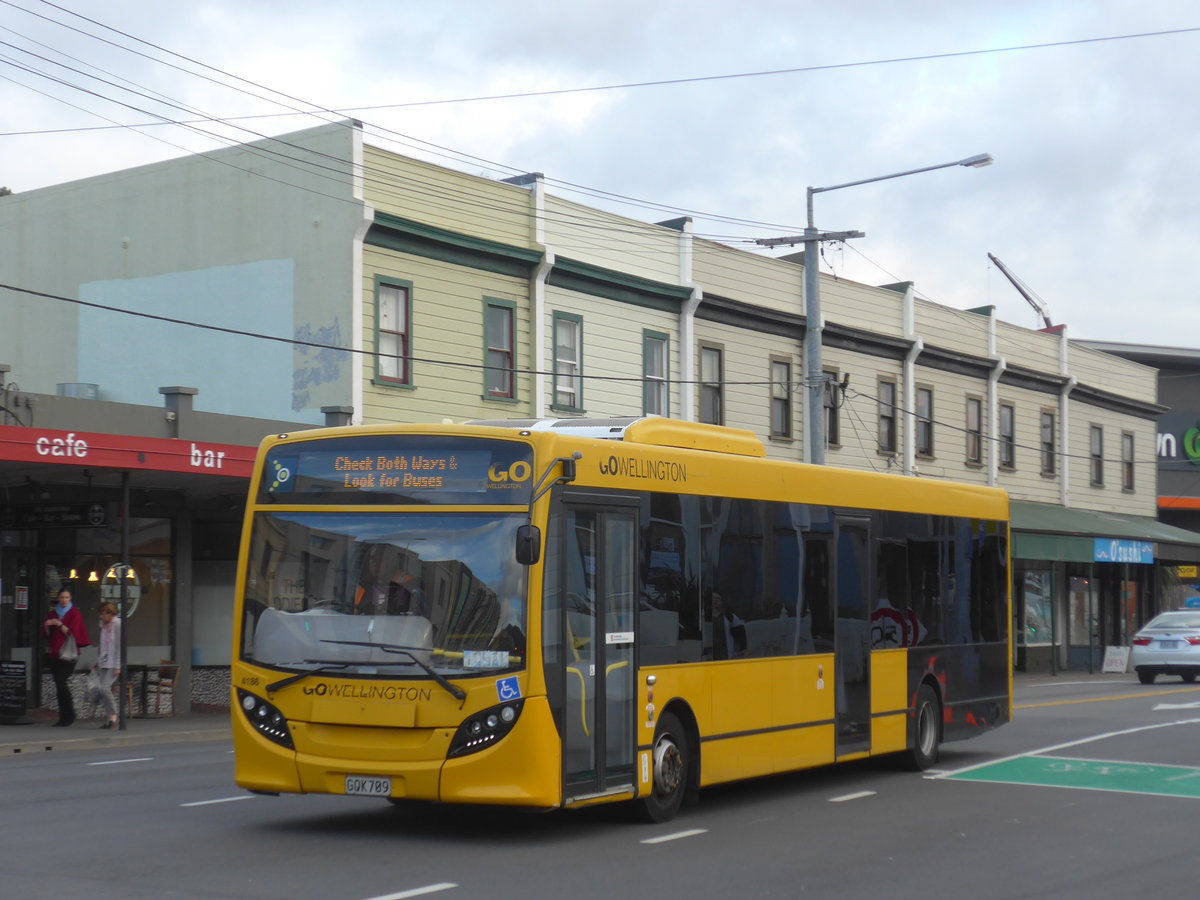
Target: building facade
x,y
289,283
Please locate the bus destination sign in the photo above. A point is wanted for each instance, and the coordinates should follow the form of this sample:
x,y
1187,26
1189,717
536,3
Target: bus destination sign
x,y
399,469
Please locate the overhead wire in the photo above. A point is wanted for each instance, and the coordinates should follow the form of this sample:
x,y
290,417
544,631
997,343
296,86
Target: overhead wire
x,y
451,196
318,109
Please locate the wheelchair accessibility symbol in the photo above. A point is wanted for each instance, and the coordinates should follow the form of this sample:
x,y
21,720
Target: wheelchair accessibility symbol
x,y
508,688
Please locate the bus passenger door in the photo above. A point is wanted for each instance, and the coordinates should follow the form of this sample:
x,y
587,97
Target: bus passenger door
x,y
853,635
600,591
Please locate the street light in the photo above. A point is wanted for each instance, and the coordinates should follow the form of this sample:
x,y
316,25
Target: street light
x,y
814,373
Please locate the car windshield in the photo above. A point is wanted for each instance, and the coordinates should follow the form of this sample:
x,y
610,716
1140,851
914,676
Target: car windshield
x,y
1175,620
385,594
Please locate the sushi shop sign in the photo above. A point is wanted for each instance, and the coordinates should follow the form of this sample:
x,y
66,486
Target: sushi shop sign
x,y
1122,551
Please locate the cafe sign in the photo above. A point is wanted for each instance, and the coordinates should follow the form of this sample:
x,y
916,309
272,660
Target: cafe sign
x,y
119,451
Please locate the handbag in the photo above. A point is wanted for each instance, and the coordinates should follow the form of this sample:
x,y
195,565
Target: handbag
x,y
69,651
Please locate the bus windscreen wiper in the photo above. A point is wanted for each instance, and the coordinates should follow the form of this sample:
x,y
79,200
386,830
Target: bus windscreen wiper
x,y
454,690
292,679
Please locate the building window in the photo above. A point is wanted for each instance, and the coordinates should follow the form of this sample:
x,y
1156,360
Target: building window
x,y
924,421
1126,461
1049,451
568,361
833,396
887,417
1008,436
1096,453
393,332
655,386
711,377
974,430
499,338
781,398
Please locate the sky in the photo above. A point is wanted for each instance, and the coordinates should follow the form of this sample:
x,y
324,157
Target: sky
x,y
657,108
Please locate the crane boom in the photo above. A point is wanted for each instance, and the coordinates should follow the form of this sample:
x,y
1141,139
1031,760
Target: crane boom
x,y
1025,292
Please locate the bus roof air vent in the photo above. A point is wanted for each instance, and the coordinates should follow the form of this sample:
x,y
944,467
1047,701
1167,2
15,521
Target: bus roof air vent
x,y
656,430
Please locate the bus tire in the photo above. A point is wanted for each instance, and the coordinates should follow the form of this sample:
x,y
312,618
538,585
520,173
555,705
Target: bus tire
x,y
671,761
926,734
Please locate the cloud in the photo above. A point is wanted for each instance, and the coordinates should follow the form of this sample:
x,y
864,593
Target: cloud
x,y
1091,200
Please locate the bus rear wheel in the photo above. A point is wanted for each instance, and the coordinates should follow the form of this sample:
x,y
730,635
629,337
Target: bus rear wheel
x,y
926,730
671,770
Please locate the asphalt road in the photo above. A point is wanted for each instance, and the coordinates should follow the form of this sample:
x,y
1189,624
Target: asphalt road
x,y
1090,793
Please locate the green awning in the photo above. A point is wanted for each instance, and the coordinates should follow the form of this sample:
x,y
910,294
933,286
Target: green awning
x,y
1046,531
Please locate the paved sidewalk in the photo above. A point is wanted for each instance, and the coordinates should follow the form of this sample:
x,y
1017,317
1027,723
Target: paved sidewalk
x,y
40,736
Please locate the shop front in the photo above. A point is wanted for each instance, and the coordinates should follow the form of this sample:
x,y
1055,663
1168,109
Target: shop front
x,y
150,523
1084,581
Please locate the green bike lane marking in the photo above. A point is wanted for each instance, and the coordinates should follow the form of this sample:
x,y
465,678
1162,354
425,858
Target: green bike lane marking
x,y
1044,769
1090,775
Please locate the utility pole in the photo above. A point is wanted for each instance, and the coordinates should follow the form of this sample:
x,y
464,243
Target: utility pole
x,y
815,374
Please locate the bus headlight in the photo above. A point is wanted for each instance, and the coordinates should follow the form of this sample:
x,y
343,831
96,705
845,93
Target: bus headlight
x,y
484,728
266,719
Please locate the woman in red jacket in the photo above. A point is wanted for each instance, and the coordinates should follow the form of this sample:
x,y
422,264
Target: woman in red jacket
x,y
63,621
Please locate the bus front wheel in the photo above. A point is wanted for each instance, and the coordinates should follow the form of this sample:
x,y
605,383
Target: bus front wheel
x,y
926,730
670,758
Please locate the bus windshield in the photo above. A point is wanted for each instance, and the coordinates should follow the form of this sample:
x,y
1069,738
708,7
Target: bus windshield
x,y
385,594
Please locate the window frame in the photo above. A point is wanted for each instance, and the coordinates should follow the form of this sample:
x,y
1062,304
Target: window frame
x,y
656,343
830,406
1096,455
887,425
403,359
924,437
490,370
1127,461
576,377
1006,439
1048,440
708,387
973,448
781,399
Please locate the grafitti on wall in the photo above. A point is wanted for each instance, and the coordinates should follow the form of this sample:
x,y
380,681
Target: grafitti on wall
x,y
316,365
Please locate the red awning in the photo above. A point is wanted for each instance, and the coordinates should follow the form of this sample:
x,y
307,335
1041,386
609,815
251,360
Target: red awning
x,y
119,451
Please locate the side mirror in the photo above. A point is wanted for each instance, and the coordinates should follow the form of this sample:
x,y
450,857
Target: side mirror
x,y
529,545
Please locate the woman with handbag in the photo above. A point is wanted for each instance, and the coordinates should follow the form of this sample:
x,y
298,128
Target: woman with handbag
x,y
66,635
108,662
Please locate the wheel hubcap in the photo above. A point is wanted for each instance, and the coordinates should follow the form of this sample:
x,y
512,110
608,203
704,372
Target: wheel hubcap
x,y
926,731
668,765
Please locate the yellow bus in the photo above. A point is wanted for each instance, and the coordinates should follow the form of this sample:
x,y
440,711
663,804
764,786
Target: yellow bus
x,y
556,613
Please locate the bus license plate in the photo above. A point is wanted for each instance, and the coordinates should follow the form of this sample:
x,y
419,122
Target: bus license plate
x,y
366,786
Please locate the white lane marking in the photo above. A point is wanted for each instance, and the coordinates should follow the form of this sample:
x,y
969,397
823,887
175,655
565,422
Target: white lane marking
x,y
1063,746
662,839
1177,706
219,800
417,892
846,797
121,762
1066,683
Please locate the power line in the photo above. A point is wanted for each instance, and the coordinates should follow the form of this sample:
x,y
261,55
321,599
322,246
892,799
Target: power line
x,y
773,72
995,439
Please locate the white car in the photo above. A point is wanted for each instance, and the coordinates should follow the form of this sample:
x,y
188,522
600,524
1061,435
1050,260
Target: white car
x,y
1169,644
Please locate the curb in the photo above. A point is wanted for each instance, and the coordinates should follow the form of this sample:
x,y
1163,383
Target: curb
x,y
37,740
